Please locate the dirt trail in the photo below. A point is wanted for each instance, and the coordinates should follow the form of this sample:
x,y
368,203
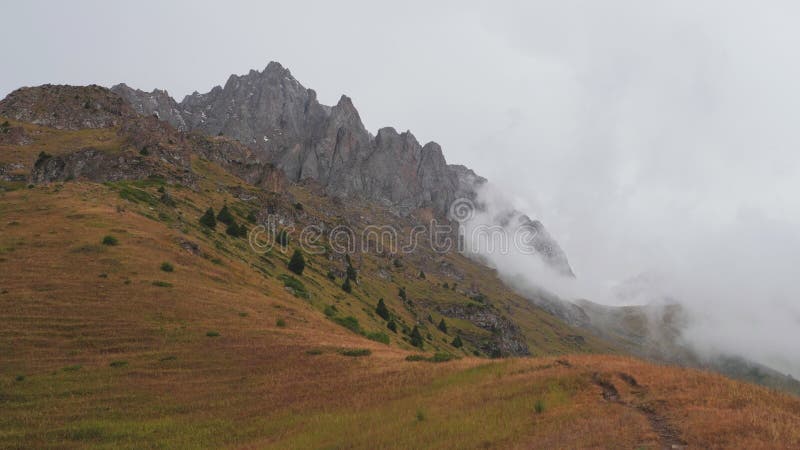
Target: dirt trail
x,y
668,436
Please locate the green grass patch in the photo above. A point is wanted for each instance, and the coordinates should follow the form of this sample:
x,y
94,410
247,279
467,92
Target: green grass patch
x,y
436,358
378,336
349,322
135,195
355,352
162,284
297,286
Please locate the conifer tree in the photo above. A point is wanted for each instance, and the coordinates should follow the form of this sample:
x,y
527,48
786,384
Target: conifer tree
x,y
416,338
351,273
208,219
282,238
442,326
297,263
382,310
457,342
225,216
346,286
232,229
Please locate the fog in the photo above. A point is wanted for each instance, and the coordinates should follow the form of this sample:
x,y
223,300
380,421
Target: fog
x,y
737,283
649,138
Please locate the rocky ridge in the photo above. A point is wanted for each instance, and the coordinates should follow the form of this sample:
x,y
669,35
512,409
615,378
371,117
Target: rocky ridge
x,y
284,124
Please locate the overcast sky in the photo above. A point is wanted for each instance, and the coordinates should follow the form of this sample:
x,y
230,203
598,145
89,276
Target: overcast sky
x,y
648,136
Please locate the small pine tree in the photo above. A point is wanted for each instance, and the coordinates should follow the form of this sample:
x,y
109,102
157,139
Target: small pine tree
x,y
233,229
351,273
392,326
225,216
297,263
251,217
43,156
416,338
208,219
442,326
242,230
382,310
346,286
167,199
402,293
282,238
457,342
421,275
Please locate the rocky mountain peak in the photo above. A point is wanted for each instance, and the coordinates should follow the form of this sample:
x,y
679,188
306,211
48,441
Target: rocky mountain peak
x,y
284,124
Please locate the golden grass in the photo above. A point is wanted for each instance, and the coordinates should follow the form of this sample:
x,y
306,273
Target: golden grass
x,y
56,142
99,347
257,385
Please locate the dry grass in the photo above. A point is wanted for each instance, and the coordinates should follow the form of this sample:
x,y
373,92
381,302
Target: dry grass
x,y
258,385
56,142
70,307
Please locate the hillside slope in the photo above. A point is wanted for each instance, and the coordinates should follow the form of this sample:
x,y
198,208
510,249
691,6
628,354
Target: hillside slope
x,y
128,323
100,347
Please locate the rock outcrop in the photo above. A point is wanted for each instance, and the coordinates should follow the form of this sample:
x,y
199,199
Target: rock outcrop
x,y
67,107
506,340
275,115
157,103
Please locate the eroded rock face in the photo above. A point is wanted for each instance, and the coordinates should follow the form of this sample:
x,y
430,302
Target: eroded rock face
x,y
67,107
150,147
507,339
100,166
13,135
157,103
282,121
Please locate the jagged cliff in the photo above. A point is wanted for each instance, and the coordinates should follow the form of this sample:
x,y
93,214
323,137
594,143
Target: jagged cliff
x,y
271,112
284,123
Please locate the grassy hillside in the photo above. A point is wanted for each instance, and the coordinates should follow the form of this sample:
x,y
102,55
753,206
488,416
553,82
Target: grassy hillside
x,y
126,323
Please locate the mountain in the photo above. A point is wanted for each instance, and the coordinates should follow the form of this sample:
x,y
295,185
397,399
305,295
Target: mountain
x,y
273,114
108,142
128,323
